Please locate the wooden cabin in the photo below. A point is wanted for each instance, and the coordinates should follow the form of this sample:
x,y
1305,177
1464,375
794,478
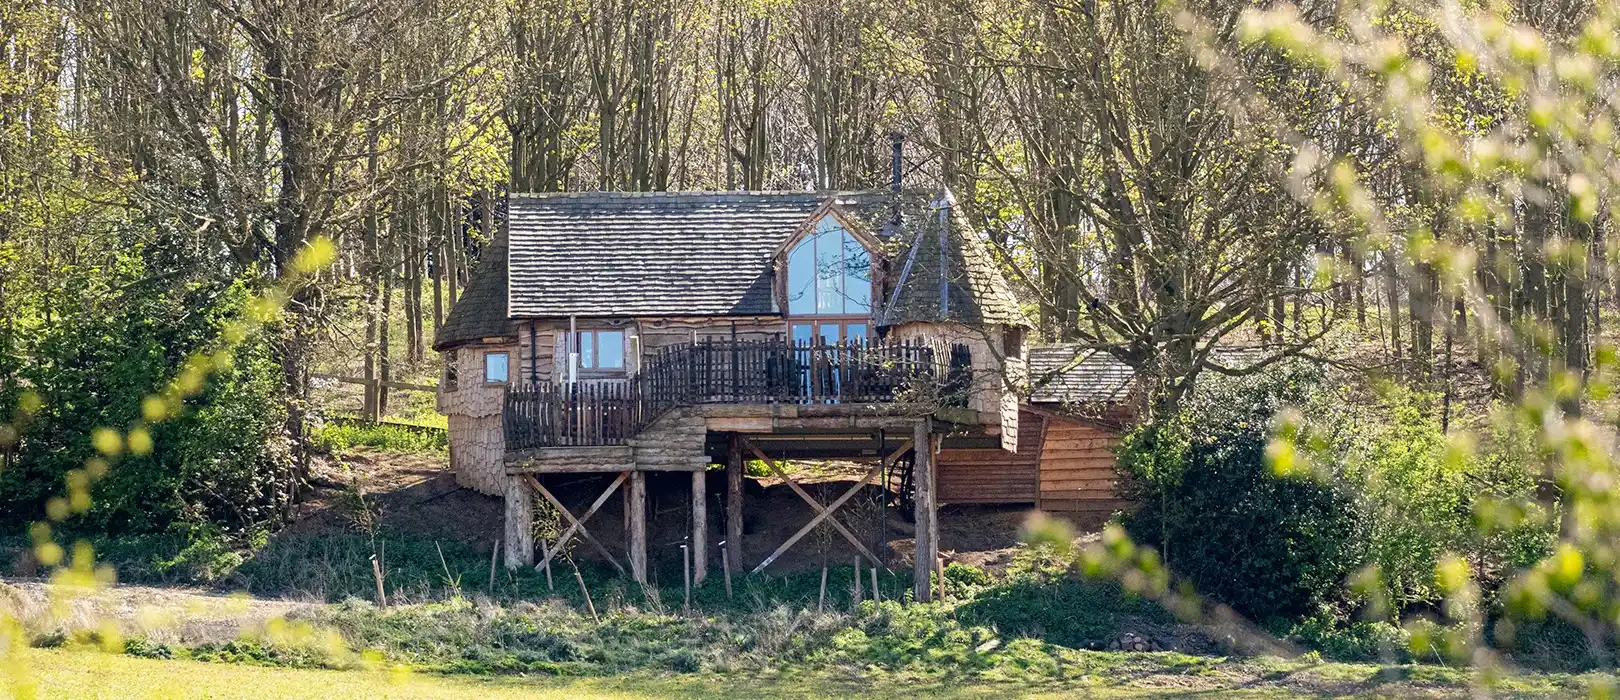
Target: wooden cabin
x,y
636,332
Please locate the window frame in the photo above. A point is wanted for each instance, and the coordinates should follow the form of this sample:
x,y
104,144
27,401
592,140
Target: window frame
x,y
572,342
807,236
507,354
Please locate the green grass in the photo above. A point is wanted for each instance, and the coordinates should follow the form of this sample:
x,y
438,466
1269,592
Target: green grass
x,y
338,437
59,673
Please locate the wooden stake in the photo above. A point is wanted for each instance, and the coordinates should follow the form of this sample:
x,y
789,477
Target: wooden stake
x,y
876,596
725,564
939,569
582,589
821,602
855,600
494,549
545,550
686,575
376,573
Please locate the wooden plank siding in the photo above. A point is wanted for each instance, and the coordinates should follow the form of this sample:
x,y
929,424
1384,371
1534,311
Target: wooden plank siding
x,y
992,475
1079,469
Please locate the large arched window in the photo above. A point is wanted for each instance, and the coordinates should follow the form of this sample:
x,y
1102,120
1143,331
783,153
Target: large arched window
x,y
829,286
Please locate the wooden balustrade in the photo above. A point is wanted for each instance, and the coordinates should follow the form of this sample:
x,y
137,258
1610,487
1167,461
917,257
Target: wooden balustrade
x,y
609,412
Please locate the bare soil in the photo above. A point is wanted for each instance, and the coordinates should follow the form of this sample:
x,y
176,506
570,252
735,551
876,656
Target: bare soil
x,y
417,494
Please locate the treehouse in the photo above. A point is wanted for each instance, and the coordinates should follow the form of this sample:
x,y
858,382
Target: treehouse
x,y
628,333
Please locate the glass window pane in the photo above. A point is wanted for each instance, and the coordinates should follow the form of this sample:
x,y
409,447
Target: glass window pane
x,y
857,277
855,332
495,367
829,268
610,349
829,333
802,333
587,349
801,275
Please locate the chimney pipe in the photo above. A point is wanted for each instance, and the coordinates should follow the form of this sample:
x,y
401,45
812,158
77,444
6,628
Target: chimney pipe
x,y
897,142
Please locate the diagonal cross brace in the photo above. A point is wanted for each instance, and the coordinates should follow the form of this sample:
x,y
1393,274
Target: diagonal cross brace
x,y
821,512
823,515
577,525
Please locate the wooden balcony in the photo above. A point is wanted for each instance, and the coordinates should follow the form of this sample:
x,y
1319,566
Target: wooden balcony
x,y
735,372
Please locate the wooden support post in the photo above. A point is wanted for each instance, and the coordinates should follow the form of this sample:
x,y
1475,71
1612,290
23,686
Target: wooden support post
x,y
734,505
700,526
927,549
519,523
638,526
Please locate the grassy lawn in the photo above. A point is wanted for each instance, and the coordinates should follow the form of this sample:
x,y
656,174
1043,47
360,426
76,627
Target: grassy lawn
x,y
89,674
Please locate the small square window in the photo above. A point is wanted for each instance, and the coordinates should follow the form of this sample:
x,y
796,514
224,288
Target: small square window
x,y
450,370
495,367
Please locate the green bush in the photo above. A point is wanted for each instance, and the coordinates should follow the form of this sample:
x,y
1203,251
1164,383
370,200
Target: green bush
x,y
117,335
1269,546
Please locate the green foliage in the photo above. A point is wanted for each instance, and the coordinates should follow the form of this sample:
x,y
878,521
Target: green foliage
x,y
1269,546
337,437
1276,510
115,335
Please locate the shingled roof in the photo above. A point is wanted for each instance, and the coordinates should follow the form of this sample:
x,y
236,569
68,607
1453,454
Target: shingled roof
x,y
976,291
480,312
706,254
649,254
1076,374
1072,374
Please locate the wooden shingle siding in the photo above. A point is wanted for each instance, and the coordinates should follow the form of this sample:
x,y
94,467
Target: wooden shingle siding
x,y
992,475
1079,469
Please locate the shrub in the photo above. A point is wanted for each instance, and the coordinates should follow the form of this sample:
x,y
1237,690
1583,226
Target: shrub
x,y
118,337
1269,546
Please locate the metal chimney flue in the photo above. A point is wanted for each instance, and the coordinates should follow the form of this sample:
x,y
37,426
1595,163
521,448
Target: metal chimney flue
x,y
897,147
897,144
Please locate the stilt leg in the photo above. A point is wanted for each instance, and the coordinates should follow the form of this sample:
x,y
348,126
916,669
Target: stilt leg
x,y
638,525
927,529
519,523
700,526
734,505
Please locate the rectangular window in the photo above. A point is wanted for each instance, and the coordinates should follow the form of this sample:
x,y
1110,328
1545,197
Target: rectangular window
x,y
496,366
601,350
450,370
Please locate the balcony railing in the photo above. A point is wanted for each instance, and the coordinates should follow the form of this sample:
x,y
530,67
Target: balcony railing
x,y
737,372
